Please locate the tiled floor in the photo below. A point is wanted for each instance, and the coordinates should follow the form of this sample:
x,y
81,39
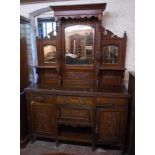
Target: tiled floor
x,y
40,147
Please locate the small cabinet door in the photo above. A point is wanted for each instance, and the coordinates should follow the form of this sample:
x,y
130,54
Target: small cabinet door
x,y
111,124
41,115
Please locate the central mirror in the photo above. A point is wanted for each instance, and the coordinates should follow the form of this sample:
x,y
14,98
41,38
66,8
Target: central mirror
x,y
79,45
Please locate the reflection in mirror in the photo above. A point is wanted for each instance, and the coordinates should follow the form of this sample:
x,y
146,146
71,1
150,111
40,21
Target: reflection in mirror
x,y
110,54
49,54
79,44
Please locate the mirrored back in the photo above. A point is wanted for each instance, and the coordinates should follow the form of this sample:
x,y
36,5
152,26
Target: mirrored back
x,y
79,45
110,54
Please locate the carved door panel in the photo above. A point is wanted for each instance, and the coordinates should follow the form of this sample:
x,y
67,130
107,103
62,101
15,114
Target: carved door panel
x,y
111,124
41,118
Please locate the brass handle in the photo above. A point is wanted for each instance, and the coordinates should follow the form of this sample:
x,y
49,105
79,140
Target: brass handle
x,y
39,98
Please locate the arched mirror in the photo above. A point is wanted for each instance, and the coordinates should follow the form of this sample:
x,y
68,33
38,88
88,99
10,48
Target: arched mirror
x,y
79,45
49,53
110,54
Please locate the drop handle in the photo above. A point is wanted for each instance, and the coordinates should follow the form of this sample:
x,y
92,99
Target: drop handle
x,y
39,98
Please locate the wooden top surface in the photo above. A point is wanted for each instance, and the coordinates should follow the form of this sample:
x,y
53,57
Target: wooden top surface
x,y
97,6
111,91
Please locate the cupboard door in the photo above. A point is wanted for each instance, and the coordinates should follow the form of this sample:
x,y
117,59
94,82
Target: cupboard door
x,y
111,124
41,117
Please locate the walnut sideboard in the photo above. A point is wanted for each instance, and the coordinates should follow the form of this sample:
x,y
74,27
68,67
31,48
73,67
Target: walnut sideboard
x,y
91,116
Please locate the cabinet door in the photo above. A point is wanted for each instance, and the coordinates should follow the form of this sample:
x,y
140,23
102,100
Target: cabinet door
x,y
41,112
111,124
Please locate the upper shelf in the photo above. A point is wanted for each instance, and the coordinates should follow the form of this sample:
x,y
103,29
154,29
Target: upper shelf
x,y
79,11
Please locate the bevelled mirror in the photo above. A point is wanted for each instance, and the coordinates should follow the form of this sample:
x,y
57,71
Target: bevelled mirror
x,y
49,53
79,45
110,54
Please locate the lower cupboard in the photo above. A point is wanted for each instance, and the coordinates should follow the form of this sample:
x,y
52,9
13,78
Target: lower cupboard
x,y
78,118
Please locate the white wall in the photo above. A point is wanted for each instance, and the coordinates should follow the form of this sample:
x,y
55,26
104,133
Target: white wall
x,y
118,17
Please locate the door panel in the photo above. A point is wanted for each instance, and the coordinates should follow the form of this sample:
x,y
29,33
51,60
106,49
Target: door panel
x,y
42,117
111,123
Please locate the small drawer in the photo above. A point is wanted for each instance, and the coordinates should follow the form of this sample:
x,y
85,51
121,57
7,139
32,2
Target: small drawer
x,y
74,100
40,98
111,102
75,115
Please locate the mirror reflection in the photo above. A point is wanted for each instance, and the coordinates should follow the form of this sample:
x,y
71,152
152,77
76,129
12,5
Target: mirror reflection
x,y
79,44
110,54
49,53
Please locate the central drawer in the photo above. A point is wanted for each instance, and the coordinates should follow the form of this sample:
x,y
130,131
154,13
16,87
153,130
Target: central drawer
x,y
74,110
74,100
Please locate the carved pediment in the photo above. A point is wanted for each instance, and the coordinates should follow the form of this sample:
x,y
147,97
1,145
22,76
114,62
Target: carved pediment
x,y
106,34
79,11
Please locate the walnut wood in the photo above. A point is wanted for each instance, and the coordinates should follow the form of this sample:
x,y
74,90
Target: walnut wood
x,y
24,82
40,44
131,118
78,108
79,11
80,103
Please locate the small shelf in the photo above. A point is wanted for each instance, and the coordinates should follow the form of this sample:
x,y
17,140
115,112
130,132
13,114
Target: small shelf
x,y
115,69
76,134
50,67
45,67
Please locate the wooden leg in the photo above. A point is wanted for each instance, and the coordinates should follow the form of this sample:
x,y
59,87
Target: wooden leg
x,y
57,142
93,140
33,138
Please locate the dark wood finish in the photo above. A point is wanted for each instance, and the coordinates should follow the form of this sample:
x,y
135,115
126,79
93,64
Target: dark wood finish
x,y
111,121
24,137
82,103
111,73
111,77
81,112
131,118
41,115
79,11
24,82
40,45
24,79
108,38
47,76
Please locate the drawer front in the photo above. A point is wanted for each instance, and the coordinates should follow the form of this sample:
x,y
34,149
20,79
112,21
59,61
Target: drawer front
x,y
74,100
75,115
109,102
41,98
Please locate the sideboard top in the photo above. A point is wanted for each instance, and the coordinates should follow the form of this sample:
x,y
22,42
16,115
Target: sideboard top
x,y
109,91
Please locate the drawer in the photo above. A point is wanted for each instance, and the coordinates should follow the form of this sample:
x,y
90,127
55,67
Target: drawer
x,y
111,102
74,114
40,98
74,100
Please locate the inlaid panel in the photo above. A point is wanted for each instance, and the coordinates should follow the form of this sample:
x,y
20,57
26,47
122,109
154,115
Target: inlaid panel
x,y
109,124
42,118
78,78
111,78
